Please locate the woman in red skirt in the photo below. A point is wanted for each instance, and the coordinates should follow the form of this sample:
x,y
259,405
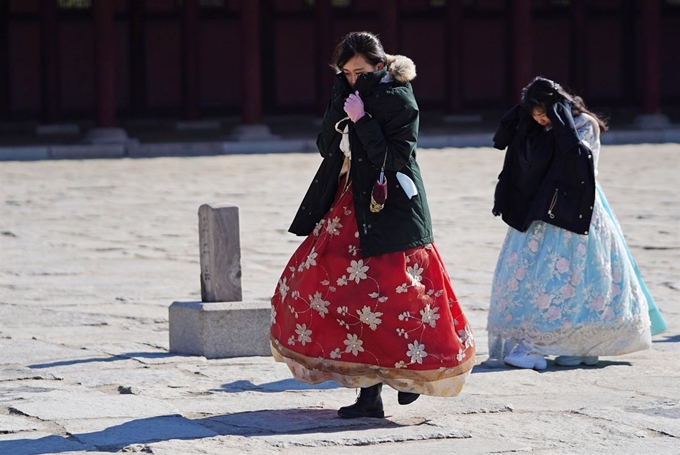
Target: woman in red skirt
x,y
366,299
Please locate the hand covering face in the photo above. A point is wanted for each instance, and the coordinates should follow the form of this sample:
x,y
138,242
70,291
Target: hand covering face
x,y
354,106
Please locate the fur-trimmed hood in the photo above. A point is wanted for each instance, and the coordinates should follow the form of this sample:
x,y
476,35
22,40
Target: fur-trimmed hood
x,y
401,68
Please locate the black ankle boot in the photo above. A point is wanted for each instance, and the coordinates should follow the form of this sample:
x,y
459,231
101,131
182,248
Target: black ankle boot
x,y
368,404
407,397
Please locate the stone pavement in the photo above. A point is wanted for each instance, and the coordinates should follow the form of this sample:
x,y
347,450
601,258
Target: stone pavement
x,y
93,252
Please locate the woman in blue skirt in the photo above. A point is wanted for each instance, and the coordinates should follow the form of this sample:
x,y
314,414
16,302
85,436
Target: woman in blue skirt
x,y
565,283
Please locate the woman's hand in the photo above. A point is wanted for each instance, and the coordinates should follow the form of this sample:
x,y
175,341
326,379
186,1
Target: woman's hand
x,y
354,107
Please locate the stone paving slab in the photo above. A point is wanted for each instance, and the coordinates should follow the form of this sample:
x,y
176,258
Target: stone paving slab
x,y
63,405
14,424
24,153
34,351
79,152
14,374
124,376
668,424
218,445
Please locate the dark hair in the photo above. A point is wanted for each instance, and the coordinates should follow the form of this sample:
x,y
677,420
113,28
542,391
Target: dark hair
x,y
364,43
543,93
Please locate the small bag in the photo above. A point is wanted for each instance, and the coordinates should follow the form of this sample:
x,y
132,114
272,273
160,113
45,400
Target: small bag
x,y
379,193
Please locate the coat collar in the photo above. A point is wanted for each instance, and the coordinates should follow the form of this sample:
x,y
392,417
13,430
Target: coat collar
x,y
401,68
365,82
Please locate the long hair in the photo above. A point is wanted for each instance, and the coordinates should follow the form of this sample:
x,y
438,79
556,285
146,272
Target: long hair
x,y
364,43
543,93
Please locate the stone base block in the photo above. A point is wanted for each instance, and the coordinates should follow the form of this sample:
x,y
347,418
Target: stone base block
x,y
108,136
61,129
189,125
253,133
218,330
462,119
24,153
652,121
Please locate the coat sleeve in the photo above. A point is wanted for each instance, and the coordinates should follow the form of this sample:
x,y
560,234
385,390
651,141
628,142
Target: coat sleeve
x,y
507,128
397,137
563,126
334,113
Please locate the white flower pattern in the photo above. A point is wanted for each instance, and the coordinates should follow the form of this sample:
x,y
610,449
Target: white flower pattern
x,y
303,333
357,271
353,344
319,304
333,226
370,318
429,315
311,259
283,288
416,274
416,351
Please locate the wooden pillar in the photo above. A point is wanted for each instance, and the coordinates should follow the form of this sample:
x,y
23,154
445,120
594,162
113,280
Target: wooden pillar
x,y
651,65
105,82
522,48
49,44
579,56
191,92
4,60
137,57
455,36
324,51
389,21
251,100
630,65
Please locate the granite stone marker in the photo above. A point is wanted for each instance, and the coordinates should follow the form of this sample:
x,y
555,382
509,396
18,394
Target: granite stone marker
x,y
218,232
221,325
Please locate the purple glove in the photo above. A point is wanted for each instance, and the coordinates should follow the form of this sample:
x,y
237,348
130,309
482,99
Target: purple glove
x,y
354,107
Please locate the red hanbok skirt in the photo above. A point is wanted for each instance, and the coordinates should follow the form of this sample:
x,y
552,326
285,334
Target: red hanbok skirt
x,y
391,318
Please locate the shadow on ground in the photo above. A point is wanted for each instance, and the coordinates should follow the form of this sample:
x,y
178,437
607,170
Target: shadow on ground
x,y
276,386
669,339
163,428
497,366
110,358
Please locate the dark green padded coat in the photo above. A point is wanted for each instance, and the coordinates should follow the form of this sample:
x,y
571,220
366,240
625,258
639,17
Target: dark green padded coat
x,y
390,128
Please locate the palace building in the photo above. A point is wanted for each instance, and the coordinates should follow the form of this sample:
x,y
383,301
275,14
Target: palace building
x,y
68,60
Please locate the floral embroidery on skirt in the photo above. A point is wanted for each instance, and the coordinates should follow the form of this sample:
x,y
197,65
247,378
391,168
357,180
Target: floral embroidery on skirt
x,y
392,318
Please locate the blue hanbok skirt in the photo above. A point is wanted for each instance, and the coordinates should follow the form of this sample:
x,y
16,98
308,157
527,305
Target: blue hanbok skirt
x,y
570,294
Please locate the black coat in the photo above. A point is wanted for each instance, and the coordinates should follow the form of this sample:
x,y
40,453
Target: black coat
x,y
547,175
392,128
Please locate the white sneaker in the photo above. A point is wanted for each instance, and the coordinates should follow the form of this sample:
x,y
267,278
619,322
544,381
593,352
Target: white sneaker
x,y
572,360
523,357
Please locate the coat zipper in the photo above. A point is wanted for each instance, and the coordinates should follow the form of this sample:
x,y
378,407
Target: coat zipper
x,y
552,204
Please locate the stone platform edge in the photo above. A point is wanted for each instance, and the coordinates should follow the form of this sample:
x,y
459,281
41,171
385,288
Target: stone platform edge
x,y
190,149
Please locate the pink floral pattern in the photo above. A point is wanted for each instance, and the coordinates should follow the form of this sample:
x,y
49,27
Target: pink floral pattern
x,y
568,294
